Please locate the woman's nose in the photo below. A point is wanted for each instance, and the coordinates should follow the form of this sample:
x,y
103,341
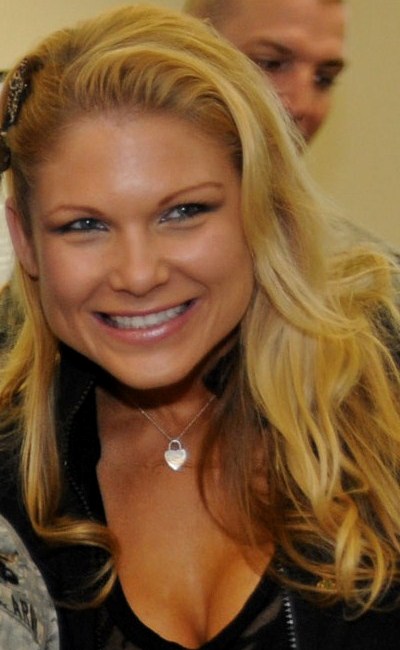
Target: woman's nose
x,y
138,265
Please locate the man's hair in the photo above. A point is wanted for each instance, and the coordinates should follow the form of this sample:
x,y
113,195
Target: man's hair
x,y
216,10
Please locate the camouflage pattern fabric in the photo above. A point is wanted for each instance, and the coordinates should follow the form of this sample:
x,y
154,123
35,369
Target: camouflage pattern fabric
x,y
27,616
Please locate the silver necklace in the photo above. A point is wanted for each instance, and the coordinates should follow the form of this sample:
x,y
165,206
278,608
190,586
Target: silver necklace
x,y
176,455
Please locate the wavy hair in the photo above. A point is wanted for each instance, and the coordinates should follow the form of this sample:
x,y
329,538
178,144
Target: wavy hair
x,y
313,398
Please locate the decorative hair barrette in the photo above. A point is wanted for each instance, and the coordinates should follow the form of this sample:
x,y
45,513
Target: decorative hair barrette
x,y
18,89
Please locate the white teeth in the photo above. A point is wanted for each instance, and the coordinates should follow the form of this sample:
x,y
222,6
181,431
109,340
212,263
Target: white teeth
x,y
142,322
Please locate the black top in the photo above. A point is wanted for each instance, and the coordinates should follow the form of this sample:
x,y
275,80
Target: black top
x,y
262,623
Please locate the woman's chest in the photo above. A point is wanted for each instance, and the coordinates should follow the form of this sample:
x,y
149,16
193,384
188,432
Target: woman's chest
x,y
180,572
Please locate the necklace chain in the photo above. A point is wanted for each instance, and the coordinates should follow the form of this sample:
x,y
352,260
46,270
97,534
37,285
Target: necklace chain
x,y
176,455
194,419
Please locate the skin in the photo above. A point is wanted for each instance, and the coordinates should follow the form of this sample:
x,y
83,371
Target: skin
x,y
298,44
112,236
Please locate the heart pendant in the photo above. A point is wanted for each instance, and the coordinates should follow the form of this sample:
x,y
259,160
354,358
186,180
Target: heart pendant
x,y
175,456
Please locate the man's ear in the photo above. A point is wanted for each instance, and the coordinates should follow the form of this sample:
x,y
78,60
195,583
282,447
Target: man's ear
x,y
22,242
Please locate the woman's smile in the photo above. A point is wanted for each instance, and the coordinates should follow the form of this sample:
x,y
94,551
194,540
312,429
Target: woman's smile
x,y
148,328
145,321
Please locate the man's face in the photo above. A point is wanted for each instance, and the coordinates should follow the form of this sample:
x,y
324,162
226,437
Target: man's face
x,y
299,44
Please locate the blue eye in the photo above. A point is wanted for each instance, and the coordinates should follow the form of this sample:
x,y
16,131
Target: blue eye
x,y
86,224
185,212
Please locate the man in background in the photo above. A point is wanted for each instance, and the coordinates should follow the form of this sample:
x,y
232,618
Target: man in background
x,y
298,44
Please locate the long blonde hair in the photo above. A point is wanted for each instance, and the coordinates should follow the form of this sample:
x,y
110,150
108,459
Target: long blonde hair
x,y
316,387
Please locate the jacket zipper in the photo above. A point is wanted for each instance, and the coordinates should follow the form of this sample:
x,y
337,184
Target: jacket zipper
x,y
288,610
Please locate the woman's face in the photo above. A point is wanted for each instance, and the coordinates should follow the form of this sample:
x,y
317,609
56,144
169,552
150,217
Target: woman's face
x,y
138,247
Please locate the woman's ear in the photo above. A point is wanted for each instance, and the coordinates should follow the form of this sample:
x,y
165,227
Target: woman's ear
x,y
22,242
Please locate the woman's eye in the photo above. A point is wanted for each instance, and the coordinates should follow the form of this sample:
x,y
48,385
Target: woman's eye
x,y
185,212
86,224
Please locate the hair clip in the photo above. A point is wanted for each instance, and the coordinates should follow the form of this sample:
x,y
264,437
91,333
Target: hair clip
x,y
17,91
18,87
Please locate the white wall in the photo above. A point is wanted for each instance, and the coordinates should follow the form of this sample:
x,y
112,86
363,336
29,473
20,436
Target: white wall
x,y
24,22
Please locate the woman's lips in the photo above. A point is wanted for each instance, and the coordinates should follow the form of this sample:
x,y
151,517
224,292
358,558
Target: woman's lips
x,y
146,321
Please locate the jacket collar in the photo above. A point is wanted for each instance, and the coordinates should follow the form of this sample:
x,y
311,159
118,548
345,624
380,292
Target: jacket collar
x,y
76,376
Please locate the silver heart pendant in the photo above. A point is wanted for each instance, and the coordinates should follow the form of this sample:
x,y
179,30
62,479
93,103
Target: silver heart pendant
x,y
175,456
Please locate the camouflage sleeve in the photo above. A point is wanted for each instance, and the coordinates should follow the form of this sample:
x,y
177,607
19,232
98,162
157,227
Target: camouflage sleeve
x,y
27,616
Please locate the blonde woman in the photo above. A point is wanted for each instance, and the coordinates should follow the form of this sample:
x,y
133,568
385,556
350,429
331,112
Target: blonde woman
x,y
201,408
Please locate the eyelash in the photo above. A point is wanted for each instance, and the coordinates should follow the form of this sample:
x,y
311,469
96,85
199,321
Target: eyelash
x,y
186,211
90,223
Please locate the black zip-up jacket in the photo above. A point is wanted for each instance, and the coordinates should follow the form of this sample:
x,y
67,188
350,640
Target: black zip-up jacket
x,y
303,625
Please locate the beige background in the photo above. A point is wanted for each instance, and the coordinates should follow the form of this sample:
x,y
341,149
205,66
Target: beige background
x,y
357,156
